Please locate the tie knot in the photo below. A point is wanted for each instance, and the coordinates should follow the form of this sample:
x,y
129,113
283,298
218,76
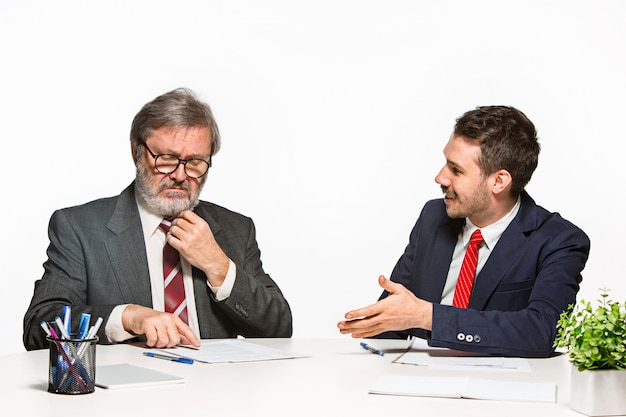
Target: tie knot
x,y
476,238
165,225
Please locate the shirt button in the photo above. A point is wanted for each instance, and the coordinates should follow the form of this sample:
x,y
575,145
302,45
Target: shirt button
x,y
460,336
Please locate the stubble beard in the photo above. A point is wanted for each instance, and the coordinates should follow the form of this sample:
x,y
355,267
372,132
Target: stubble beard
x,y
467,207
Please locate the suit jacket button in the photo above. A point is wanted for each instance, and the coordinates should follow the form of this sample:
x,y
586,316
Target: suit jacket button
x,y
460,336
241,309
476,338
469,338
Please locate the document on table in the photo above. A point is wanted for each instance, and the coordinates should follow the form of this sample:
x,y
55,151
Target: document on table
x,y
420,354
231,350
464,387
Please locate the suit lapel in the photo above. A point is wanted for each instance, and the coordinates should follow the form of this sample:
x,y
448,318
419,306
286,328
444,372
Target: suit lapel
x,y
443,249
202,294
127,250
203,211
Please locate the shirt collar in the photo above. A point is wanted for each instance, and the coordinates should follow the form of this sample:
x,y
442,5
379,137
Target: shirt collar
x,y
491,234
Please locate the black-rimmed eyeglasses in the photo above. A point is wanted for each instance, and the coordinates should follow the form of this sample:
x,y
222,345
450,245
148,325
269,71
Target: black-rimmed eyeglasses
x,y
166,163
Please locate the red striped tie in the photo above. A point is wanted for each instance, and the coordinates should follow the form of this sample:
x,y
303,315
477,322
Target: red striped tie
x,y
175,301
463,289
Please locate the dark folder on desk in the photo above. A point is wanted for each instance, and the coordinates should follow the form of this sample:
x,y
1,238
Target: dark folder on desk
x,y
128,375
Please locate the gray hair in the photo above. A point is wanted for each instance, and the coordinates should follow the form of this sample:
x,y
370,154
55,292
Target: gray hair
x,y
177,108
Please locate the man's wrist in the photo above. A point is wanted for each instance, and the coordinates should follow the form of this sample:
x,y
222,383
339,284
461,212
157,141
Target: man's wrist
x,y
217,274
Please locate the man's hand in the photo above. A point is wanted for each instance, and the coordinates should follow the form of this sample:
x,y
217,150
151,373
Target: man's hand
x,y
193,238
162,330
400,310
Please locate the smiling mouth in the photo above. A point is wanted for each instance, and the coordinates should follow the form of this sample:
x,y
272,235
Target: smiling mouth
x,y
446,195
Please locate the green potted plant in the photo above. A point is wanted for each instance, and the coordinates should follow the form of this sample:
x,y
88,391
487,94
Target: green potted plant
x,y
595,339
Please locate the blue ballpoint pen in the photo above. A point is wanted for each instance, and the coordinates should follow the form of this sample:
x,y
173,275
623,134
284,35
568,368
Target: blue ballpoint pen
x,y
169,358
372,349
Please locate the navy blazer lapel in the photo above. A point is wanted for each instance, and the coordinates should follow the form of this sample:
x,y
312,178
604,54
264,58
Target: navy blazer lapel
x,y
509,248
127,250
443,249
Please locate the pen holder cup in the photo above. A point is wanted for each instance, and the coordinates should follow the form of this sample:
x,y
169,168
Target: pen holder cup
x,y
72,368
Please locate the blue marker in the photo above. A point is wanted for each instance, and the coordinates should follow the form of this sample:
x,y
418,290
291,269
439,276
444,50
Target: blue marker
x,y
372,349
83,327
67,319
169,358
90,335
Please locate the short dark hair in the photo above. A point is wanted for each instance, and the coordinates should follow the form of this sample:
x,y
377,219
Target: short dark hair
x,y
177,108
507,138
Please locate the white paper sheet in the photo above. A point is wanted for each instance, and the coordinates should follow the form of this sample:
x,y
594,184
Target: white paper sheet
x,y
420,354
464,387
231,350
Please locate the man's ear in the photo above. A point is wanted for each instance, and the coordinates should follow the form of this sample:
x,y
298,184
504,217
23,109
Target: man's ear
x,y
501,181
133,150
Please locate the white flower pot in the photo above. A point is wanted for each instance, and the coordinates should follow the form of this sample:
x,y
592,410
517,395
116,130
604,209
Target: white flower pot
x,y
598,392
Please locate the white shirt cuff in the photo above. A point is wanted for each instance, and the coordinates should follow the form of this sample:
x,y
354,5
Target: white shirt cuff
x,y
223,292
114,329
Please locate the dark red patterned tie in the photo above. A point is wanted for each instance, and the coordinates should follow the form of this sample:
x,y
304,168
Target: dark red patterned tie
x,y
463,289
175,301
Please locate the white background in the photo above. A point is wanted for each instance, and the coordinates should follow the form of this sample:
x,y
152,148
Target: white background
x,y
334,115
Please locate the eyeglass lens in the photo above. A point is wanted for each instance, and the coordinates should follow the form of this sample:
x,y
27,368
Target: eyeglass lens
x,y
166,164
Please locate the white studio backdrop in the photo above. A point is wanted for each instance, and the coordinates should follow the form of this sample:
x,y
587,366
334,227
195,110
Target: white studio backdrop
x,y
334,115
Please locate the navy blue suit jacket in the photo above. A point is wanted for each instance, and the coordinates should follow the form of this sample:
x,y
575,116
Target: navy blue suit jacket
x,y
531,276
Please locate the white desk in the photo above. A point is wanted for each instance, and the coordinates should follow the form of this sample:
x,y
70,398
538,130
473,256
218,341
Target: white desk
x,y
333,381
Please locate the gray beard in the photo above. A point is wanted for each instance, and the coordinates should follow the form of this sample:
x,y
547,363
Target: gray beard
x,y
169,208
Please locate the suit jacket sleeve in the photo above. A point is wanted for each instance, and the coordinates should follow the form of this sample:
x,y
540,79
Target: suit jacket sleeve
x,y
256,306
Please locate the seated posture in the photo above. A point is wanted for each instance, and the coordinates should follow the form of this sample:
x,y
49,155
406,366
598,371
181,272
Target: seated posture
x,y
486,269
156,263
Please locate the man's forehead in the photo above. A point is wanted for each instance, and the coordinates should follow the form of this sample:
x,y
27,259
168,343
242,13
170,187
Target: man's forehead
x,y
461,151
196,138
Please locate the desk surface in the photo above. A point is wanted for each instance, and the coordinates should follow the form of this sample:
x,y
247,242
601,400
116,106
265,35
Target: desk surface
x,y
332,381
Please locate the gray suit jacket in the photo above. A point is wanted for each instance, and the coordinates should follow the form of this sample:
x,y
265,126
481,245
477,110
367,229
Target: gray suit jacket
x,y
97,260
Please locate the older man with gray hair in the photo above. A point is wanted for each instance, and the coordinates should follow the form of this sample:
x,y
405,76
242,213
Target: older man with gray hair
x,y
156,263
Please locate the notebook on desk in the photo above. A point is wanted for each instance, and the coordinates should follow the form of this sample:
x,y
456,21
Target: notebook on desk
x,y
128,375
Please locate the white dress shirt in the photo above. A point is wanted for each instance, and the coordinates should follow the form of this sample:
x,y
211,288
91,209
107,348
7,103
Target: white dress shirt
x,y
155,239
491,235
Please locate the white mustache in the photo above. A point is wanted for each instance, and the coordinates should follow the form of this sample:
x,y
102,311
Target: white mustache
x,y
174,184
